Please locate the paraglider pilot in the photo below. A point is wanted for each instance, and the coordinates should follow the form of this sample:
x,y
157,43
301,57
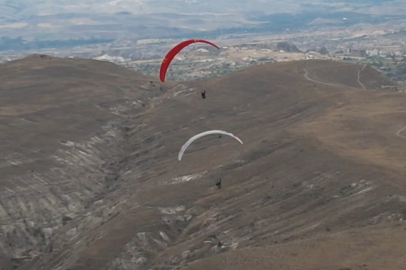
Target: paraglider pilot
x,y
218,184
204,94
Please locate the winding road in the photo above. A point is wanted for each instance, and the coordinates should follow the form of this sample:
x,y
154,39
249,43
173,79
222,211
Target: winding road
x,y
306,75
359,73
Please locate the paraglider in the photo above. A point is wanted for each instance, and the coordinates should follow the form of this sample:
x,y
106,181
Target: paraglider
x,y
172,52
218,184
189,142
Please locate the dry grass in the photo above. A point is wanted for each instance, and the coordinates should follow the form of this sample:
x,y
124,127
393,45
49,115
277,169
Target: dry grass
x,y
318,183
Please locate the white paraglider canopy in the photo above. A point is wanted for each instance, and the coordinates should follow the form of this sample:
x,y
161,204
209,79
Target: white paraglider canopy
x,y
210,132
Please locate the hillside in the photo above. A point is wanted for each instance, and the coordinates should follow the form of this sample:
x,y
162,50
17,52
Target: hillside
x,y
61,125
92,180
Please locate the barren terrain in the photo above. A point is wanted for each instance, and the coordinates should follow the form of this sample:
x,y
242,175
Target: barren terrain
x,y
91,180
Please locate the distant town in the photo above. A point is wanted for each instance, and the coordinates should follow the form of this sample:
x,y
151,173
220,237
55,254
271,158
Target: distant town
x,y
381,46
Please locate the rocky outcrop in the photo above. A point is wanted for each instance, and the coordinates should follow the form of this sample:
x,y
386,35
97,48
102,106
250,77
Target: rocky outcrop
x,y
287,47
323,50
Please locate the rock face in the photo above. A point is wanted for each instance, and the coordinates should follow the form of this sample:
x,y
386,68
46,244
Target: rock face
x,y
61,121
287,47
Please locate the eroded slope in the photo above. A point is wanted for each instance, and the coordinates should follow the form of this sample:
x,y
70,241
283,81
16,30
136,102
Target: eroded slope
x,y
61,126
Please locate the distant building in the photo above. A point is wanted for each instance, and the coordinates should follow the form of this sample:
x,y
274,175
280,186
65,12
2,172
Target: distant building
x,y
373,52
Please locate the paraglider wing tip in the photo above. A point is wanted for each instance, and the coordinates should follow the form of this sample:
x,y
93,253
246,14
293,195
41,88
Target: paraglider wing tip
x,y
238,139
